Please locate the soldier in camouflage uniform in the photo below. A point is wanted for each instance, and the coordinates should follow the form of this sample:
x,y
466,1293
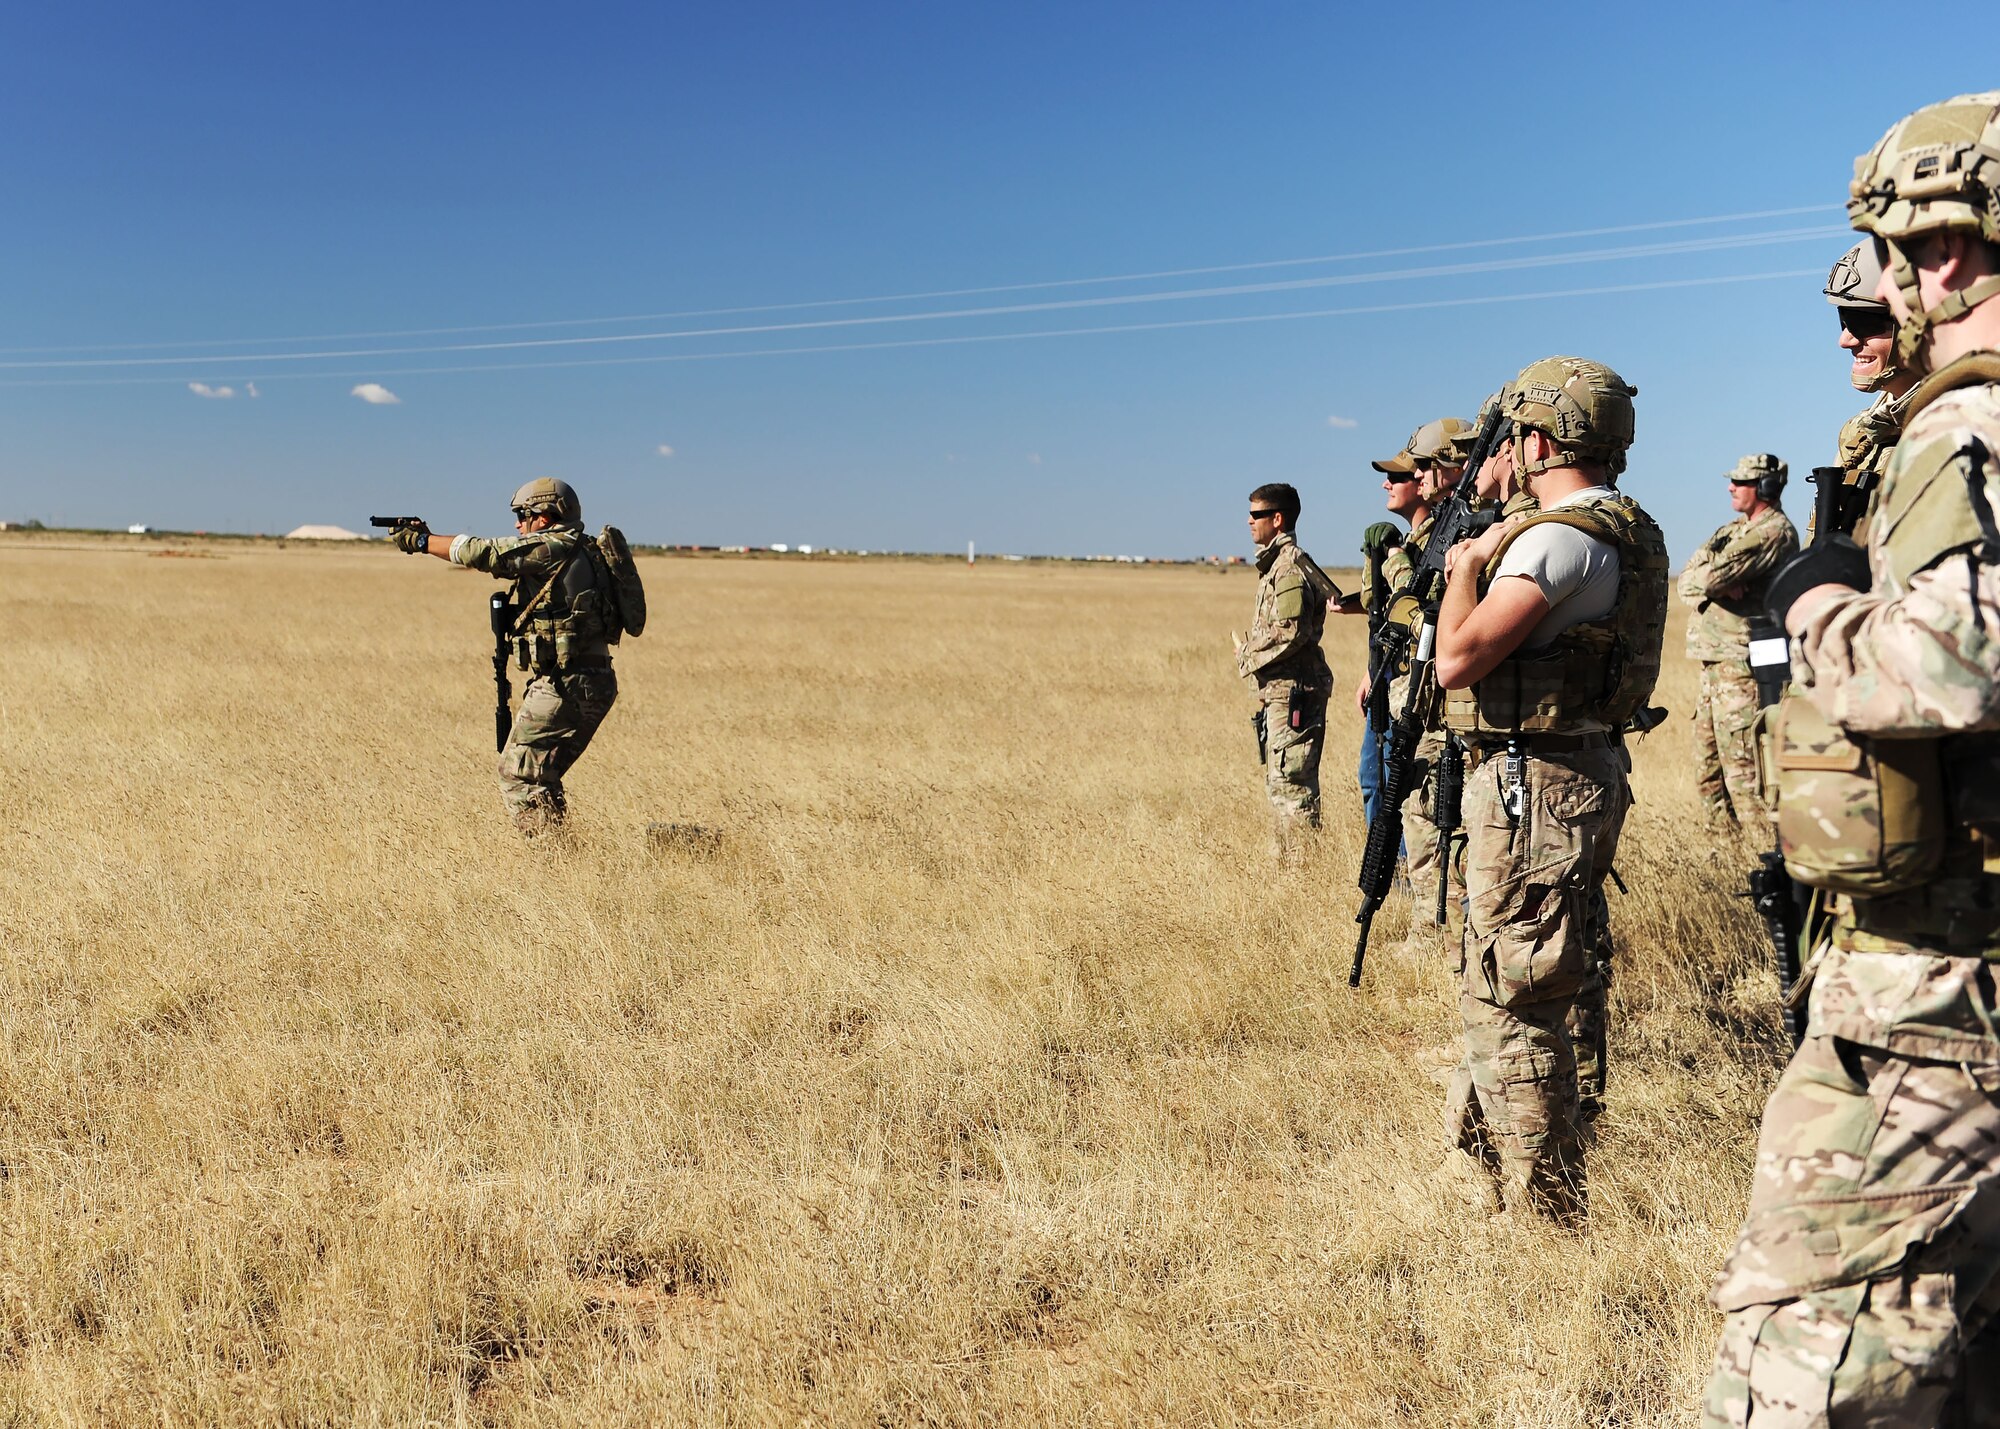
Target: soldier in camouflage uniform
x,y
1863,1287
1430,457
1868,332
1282,654
1548,641
565,604
1724,586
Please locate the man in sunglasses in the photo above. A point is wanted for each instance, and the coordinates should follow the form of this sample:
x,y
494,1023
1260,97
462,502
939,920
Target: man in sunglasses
x,y
1282,654
1868,333
1723,587
1416,478
565,617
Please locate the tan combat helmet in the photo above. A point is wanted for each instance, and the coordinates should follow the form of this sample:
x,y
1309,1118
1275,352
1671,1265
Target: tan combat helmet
x,y
1433,441
1768,472
1938,168
1856,275
547,496
1582,406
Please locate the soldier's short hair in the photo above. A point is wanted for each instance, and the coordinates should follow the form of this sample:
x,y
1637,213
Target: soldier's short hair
x,y
1279,496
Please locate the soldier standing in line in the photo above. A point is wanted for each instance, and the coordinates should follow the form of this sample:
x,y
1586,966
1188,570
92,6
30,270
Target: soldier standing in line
x,y
1429,456
1864,1284
1282,654
566,617
1548,642
1378,542
1724,586
1868,331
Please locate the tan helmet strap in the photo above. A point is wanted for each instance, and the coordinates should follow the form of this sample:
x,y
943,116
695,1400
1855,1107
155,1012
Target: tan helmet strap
x,y
1911,332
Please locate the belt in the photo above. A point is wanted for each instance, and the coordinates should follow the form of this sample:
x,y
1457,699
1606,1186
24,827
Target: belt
x,y
1547,743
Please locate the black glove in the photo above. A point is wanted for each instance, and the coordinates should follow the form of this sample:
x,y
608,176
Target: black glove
x,y
1834,562
411,540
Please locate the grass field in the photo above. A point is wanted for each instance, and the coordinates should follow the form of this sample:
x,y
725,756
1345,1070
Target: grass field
x,y
985,1071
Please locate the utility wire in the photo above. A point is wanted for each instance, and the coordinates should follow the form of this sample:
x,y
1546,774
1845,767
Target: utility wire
x,y
1413,306
1683,246
1412,251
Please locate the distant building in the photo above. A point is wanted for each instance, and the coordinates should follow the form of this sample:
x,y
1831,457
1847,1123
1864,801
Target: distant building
x,y
323,533
138,530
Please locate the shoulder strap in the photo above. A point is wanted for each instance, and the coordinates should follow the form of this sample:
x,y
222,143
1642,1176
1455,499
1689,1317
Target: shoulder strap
x,y
1587,519
1316,577
528,610
1968,371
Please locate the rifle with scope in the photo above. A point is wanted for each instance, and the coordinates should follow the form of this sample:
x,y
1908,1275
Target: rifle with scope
x,y
1409,632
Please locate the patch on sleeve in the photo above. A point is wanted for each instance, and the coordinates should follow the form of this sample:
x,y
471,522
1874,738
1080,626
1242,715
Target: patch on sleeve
x,y
1288,601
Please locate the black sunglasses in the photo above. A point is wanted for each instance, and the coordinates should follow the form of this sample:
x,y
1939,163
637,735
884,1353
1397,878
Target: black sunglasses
x,y
1865,323
520,513
1256,515
1399,477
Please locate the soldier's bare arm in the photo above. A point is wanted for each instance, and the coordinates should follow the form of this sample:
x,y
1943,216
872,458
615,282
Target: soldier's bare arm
x,y
1475,635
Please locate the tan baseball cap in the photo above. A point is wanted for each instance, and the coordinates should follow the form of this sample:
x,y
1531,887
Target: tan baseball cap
x,y
1427,443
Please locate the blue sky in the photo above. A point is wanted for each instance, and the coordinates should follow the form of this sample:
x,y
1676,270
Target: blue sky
x,y
201,180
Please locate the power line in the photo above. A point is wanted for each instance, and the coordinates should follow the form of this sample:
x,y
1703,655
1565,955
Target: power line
x,y
1413,306
1684,246
1460,246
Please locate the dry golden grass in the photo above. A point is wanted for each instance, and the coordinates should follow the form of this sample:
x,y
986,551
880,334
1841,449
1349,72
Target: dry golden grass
x,y
984,1073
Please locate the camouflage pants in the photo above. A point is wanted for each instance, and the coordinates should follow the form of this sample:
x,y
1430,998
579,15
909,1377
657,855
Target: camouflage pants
x,y
1534,922
1294,732
553,726
1725,740
1864,1286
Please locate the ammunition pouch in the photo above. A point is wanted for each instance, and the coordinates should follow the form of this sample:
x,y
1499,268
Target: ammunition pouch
x,y
1855,815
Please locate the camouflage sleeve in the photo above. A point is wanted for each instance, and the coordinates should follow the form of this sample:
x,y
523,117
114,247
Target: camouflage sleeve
x,y
508,558
1921,664
1756,552
1694,580
1281,631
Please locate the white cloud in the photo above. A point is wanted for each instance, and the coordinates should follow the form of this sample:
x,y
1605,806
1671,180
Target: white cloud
x,y
1034,458
219,394
664,450
1344,424
375,394
250,390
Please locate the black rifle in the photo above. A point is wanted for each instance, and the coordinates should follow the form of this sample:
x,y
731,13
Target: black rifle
x,y
502,616
1409,628
1787,906
1447,812
1378,611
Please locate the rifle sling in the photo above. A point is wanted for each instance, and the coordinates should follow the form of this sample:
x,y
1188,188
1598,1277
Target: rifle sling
x,y
528,610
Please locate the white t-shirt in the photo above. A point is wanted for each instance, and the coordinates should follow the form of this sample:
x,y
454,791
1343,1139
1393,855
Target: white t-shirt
x,y
1577,574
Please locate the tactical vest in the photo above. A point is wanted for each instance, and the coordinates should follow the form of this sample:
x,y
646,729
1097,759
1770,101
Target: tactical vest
x,y
1936,511
1600,671
568,620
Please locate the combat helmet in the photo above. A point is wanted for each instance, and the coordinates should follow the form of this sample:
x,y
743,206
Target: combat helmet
x,y
1768,472
1851,285
1582,406
1936,169
545,495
